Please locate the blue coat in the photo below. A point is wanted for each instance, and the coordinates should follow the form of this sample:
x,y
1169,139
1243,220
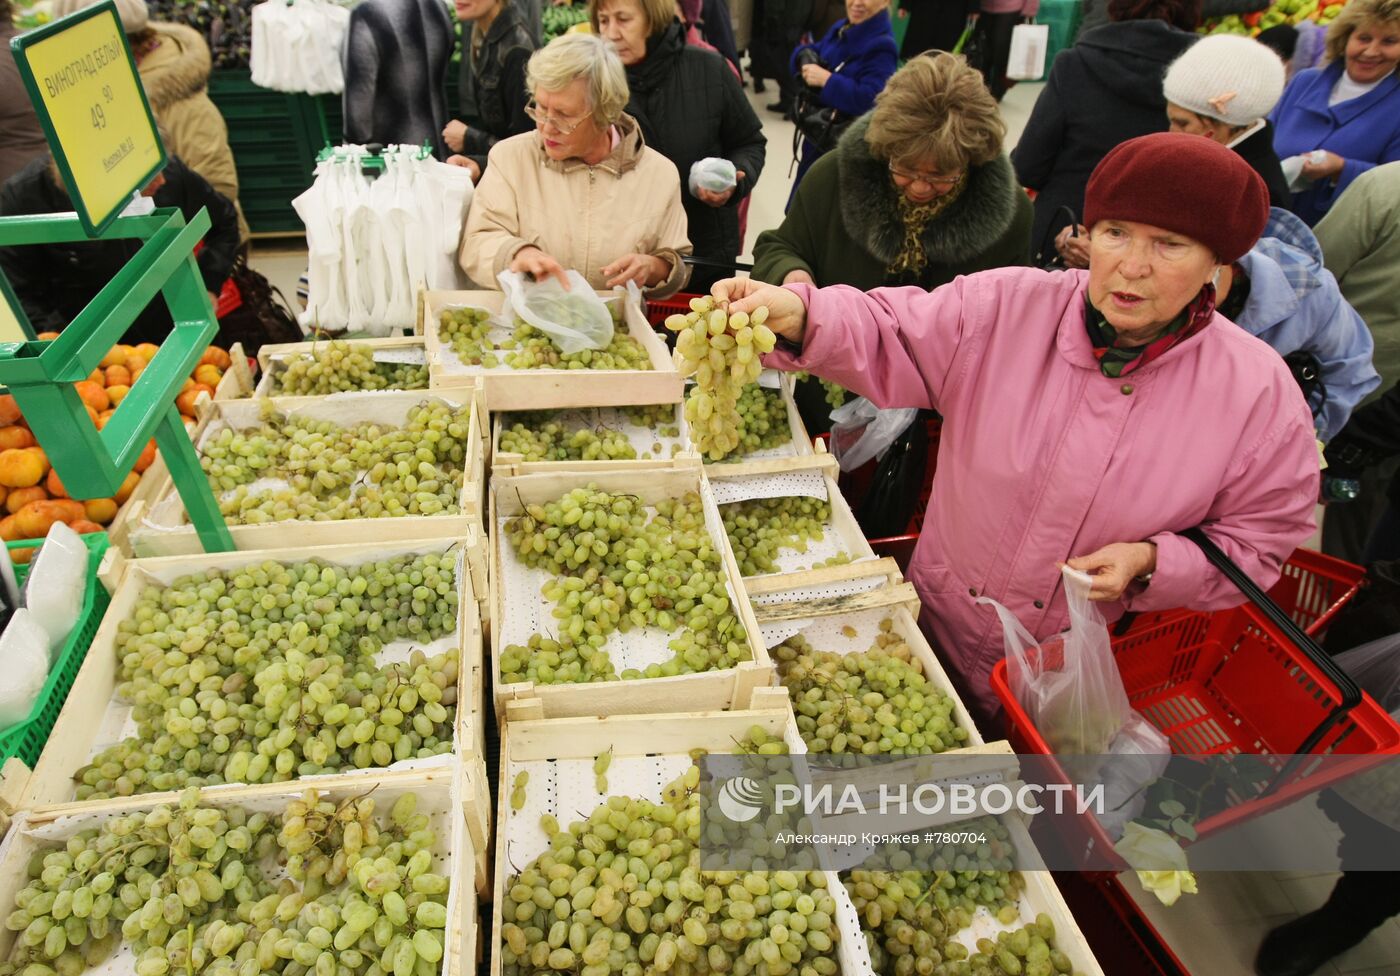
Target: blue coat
x,y
1364,131
862,58
1294,304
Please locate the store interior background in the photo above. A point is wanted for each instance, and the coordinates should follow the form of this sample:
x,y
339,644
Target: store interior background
x,y
1215,932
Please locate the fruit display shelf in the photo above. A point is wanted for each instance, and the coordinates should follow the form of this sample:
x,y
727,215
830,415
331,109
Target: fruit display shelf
x,y
95,715
842,610
805,476
646,752
519,610
455,854
161,527
538,389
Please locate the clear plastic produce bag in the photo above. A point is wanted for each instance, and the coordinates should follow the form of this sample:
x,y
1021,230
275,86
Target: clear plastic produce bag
x,y
713,173
1376,668
574,320
861,431
24,661
57,582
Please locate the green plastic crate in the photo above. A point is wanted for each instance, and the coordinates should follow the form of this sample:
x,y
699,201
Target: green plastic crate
x,y
1062,16
25,739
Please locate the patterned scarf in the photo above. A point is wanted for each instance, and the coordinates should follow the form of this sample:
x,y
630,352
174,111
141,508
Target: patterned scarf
x,y
915,218
1118,361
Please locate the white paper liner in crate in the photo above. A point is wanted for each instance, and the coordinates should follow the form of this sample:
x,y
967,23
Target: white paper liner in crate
x,y
502,329
440,806
118,723
642,439
527,612
383,407
566,789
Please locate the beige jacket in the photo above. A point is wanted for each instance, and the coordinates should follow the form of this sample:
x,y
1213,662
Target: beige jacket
x,y
585,217
175,74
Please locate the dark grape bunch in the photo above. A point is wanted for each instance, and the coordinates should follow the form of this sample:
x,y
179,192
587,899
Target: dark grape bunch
x,y
185,887
871,703
268,672
617,566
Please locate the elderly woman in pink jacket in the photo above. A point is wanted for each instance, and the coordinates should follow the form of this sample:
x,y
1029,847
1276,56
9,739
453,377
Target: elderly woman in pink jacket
x,y
1089,416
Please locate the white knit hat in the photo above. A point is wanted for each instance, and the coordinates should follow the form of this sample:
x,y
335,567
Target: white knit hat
x,y
133,13
1227,77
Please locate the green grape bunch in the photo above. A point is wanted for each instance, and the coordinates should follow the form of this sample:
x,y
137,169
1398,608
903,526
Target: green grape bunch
x,y
615,567
874,702
722,352
332,472
622,891
183,885
268,672
467,331
597,435
342,367
760,528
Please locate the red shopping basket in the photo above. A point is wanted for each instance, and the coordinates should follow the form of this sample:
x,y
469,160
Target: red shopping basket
x,y
659,308
1241,681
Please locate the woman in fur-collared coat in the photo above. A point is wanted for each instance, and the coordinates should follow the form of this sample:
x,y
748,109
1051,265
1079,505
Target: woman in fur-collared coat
x,y
917,192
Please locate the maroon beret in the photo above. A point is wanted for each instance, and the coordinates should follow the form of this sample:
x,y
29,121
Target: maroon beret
x,y
1189,185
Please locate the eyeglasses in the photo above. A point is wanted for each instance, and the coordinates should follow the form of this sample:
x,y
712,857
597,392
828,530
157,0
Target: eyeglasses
x,y
565,127
935,182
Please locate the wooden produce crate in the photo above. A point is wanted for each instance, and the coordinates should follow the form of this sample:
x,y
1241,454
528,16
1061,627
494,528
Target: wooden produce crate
x,y
161,527
648,752
518,610
94,717
813,475
822,604
238,378
539,389
456,855
643,439
798,446
393,349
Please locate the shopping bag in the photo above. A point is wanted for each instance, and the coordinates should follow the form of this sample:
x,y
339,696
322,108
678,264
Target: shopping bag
x,y
1029,43
574,320
1069,684
897,485
861,431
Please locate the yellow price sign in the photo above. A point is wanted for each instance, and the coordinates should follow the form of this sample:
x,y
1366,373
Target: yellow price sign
x,y
14,324
83,82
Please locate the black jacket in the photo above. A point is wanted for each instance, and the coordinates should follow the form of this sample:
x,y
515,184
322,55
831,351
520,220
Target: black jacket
x,y
54,282
1371,436
396,56
492,82
1104,90
1258,152
690,106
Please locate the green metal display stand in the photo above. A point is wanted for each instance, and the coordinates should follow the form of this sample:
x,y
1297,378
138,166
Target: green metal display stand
x,y
40,375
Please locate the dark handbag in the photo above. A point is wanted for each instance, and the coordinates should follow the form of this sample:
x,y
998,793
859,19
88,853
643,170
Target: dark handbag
x,y
1307,373
973,47
823,127
896,485
261,316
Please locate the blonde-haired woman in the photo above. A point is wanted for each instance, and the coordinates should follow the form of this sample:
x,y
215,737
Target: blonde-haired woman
x,y
1344,118
582,192
917,192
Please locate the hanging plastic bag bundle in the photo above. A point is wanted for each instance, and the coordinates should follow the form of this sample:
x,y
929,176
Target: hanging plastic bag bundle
x,y
575,319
